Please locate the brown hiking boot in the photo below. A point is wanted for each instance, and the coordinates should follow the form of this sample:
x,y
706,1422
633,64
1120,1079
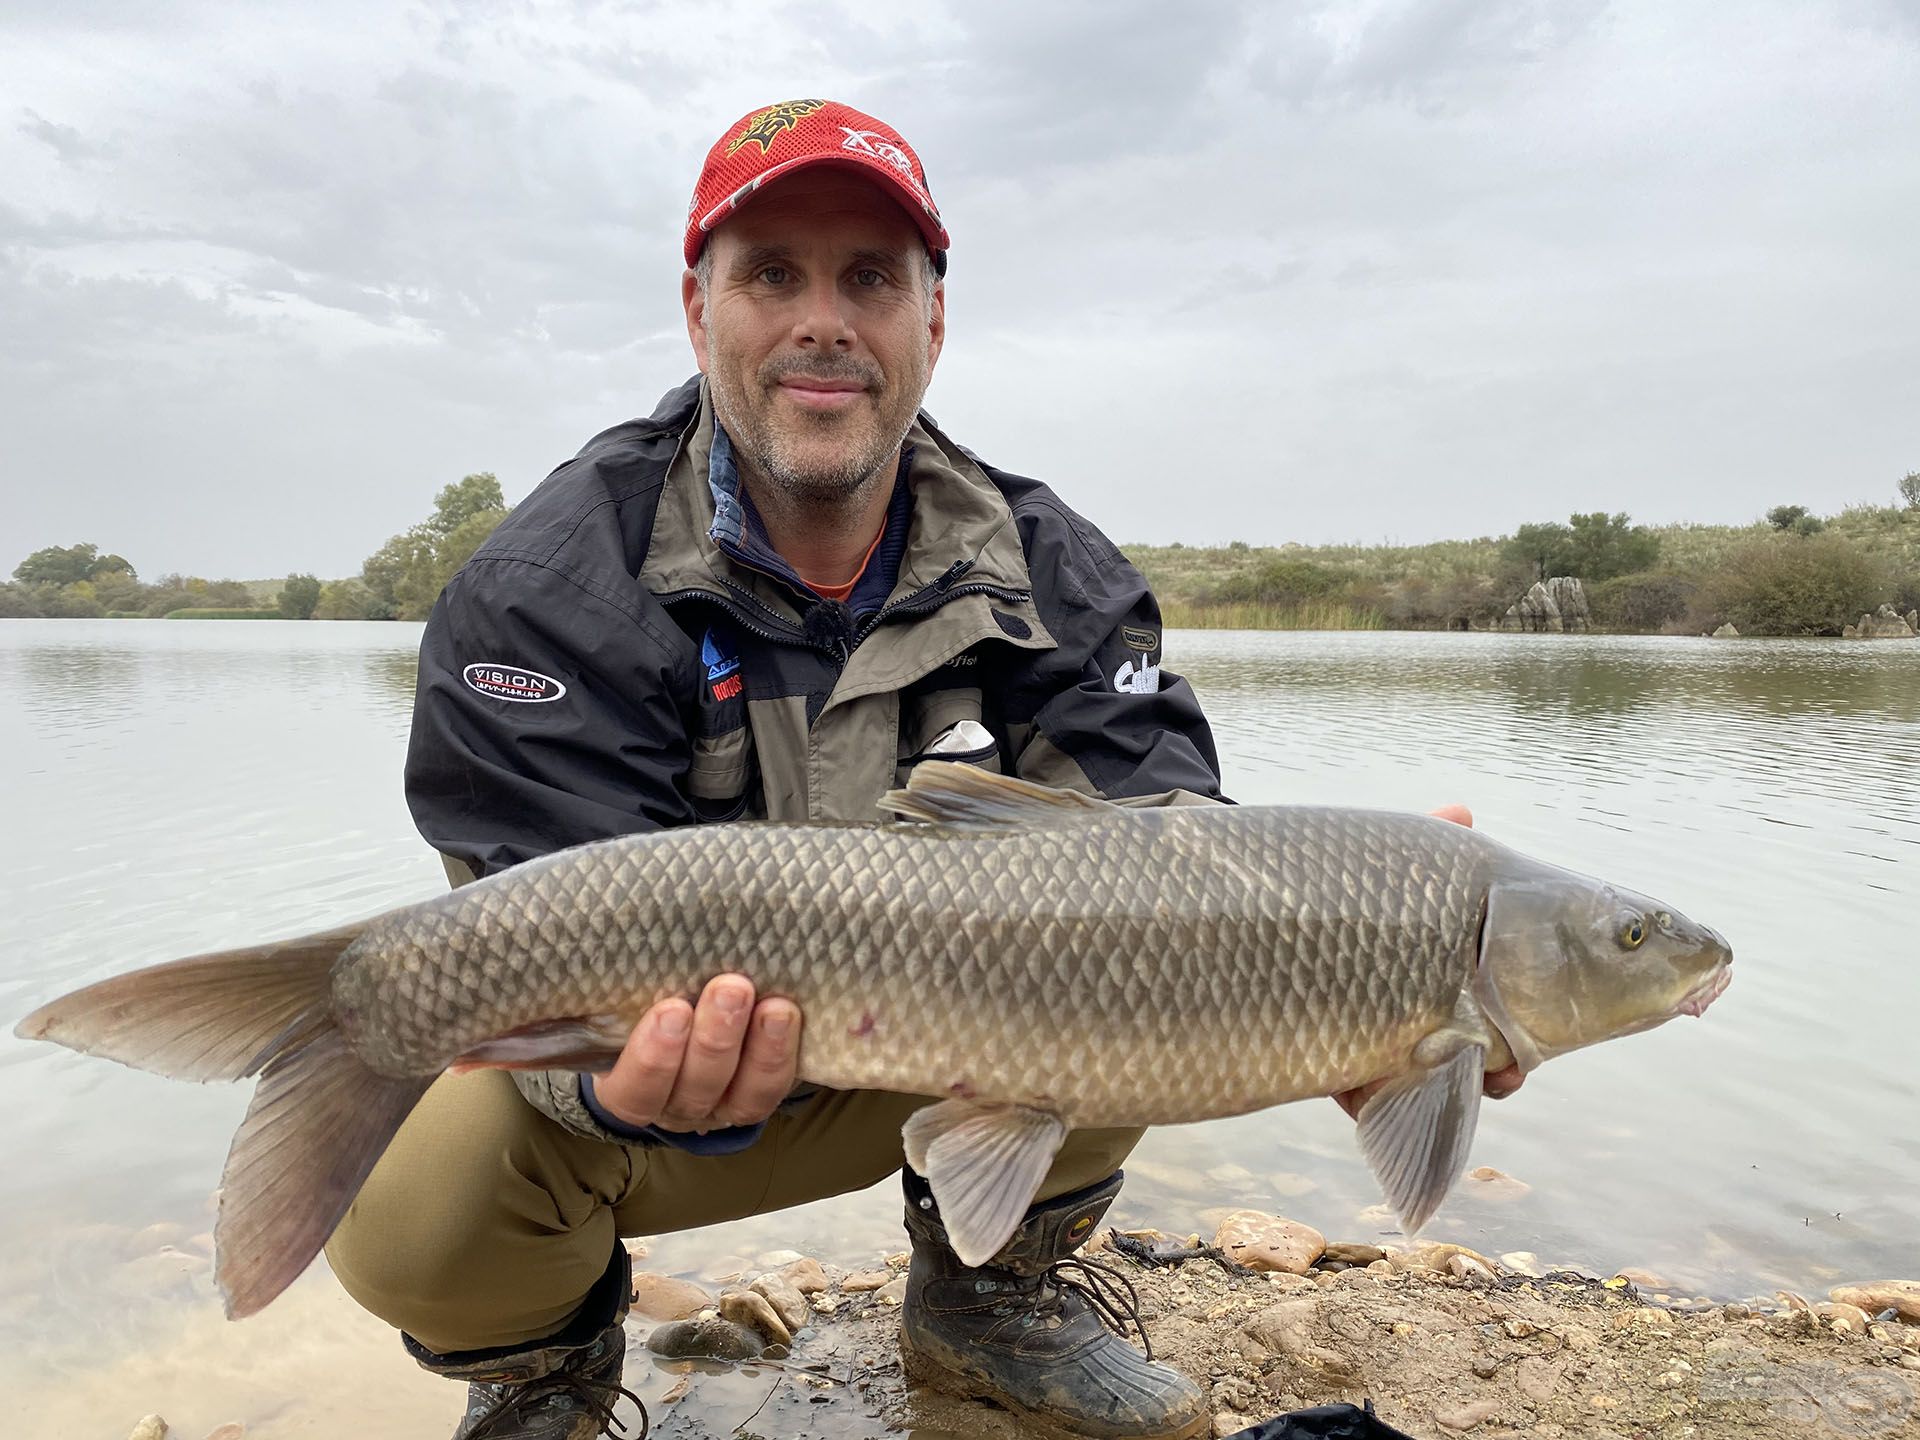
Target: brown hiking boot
x,y
1034,1330
565,1387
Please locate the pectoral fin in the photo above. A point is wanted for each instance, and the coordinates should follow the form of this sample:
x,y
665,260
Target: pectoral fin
x,y
577,1042
984,1162
1416,1131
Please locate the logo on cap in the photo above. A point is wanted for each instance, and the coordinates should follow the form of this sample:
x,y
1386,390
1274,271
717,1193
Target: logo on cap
x,y
766,126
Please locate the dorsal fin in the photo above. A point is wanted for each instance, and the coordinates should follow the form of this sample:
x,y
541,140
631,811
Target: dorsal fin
x,y
949,793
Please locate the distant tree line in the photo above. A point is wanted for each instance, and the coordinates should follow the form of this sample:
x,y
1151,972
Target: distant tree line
x,y
1791,573
399,581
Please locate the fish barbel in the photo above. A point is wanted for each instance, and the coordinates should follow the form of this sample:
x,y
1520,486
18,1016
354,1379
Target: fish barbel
x,y
1033,959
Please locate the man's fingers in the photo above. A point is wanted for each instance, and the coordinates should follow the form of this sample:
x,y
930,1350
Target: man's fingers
x,y
1501,1083
713,1053
1458,814
637,1087
769,1061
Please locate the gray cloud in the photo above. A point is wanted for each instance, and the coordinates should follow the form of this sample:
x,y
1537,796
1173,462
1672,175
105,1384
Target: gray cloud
x,y
1367,269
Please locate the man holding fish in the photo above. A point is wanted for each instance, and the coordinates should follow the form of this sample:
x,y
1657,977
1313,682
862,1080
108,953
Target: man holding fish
x,y
789,597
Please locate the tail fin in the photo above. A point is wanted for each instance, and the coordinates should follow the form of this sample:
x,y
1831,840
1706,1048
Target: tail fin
x,y
319,1119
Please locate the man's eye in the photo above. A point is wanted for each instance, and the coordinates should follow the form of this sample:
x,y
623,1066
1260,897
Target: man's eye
x,y
774,274
867,279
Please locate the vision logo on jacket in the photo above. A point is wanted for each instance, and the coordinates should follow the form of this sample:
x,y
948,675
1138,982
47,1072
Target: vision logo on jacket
x,y
723,667
511,682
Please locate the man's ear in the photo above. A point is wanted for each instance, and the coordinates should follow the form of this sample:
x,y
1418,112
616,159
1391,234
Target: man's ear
x,y
695,304
937,325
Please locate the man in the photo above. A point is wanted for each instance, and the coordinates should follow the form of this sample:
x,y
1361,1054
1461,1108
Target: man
x,y
769,600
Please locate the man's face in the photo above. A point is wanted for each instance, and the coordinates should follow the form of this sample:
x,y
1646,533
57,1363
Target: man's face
x,y
817,333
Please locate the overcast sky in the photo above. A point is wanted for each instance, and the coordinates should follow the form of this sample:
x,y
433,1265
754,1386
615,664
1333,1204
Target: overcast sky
x,y
270,275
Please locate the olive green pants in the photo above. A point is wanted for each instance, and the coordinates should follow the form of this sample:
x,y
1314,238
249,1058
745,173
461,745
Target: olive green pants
x,y
485,1223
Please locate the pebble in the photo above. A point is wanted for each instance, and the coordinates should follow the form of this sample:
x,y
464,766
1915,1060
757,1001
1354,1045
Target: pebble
x,y
710,1338
779,1259
1900,1295
788,1303
1268,1242
1289,1186
1465,1417
1844,1319
753,1310
1435,1257
1237,1177
1523,1262
232,1430
1227,1423
1465,1267
861,1281
1492,1184
663,1297
806,1275
149,1427
894,1292
1349,1253
1642,1279
1518,1329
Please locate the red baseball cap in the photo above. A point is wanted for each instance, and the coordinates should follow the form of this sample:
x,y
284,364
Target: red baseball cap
x,y
794,134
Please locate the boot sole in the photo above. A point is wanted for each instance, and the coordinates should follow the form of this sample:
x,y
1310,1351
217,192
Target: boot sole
x,y
931,1373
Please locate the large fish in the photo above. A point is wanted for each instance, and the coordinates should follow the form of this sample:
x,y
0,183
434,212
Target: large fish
x,y
1035,958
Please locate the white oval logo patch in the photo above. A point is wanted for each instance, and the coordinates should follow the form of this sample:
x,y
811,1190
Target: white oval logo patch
x,y
510,682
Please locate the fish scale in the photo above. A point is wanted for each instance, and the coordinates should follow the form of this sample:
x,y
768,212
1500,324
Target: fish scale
x,y
1070,963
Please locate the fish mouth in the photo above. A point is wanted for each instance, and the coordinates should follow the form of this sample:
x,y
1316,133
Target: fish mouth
x,y
1706,992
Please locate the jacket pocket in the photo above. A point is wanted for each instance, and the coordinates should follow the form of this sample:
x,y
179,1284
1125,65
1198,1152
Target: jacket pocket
x,y
720,775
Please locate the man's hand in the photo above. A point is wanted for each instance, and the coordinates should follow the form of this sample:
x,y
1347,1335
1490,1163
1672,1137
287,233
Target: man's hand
x,y
724,1061
1499,1083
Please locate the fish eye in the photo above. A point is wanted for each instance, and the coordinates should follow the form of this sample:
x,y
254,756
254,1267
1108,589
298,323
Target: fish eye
x,y
1635,932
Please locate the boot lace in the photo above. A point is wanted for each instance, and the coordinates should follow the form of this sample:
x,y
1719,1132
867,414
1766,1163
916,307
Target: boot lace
x,y
598,1396
1107,1292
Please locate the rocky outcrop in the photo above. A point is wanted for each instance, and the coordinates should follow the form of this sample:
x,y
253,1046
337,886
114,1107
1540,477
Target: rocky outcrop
x,y
1886,623
1554,606
1726,632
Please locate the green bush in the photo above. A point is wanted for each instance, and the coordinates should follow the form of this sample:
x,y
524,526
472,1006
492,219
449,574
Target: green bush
x,y
208,612
1643,603
1796,585
1284,581
298,597
18,603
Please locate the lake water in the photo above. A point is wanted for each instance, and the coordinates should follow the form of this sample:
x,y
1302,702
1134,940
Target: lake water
x,y
186,786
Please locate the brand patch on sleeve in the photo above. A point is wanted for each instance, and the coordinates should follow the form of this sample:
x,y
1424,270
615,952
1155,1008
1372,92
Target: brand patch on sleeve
x,y
1145,641
511,682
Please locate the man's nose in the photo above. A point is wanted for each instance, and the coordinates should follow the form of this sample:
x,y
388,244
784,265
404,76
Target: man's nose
x,y
824,321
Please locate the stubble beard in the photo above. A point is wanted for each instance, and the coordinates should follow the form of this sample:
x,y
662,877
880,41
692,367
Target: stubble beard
x,y
778,446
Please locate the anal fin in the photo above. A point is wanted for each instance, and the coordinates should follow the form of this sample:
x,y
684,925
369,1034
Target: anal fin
x,y
1416,1131
984,1163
